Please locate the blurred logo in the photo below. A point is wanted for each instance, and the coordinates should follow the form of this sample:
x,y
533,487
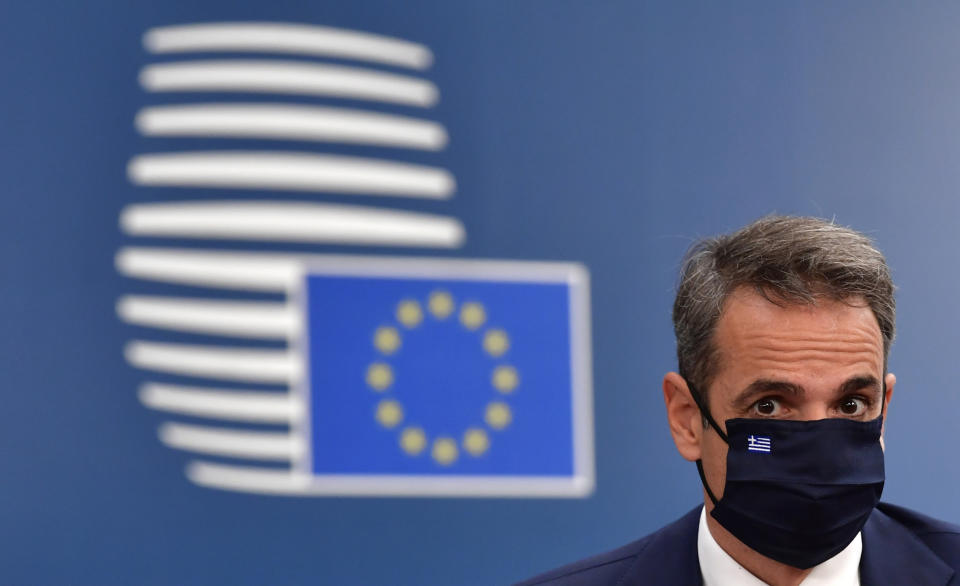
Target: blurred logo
x,y
301,373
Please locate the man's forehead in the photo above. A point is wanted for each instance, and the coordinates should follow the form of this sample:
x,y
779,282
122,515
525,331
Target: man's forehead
x,y
746,309
771,334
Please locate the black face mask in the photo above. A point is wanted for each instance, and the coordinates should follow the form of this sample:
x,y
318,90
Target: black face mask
x,y
797,492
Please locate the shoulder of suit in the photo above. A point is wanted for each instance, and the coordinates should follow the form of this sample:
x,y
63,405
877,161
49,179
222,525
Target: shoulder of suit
x,y
918,523
940,536
609,567
599,569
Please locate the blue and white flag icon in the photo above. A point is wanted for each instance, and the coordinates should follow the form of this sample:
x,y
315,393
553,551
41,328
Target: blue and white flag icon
x,y
758,443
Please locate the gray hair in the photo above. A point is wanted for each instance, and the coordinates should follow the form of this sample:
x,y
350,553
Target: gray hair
x,y
786,259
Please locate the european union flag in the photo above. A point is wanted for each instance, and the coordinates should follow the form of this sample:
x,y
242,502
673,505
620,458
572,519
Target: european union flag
x,y
448,372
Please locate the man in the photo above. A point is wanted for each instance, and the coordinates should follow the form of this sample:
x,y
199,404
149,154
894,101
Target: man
x,y
783,331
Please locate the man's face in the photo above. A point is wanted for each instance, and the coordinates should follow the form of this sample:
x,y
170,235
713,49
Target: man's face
x,y
791,361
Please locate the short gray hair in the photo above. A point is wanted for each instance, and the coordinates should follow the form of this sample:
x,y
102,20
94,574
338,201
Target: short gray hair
x,y
786,259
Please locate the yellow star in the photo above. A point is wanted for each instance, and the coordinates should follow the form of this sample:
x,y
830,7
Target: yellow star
x,y
413,440
440,304
476,441
386,339
472,315
496,342
505,379
498,415
444,451
409,313
379,376
389,413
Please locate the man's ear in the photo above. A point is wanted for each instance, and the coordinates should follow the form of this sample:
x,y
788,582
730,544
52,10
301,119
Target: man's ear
x,y
683,416
889,381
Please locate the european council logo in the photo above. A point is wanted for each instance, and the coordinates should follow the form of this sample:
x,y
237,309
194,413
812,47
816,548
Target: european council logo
x,y
290,372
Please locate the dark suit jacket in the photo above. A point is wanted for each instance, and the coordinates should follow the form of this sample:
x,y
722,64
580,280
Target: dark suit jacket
x,y
900,548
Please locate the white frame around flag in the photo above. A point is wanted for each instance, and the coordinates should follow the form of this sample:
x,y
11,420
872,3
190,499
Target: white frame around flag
x,y
580,484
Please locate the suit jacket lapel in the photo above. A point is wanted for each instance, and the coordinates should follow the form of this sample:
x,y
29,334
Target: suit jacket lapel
x,y
894,555
671,556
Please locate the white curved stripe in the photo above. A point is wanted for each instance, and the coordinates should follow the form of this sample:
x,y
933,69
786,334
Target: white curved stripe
x,y
288,77
248,319
291,171
281,273
291,122
270,37
288,483
292,222
257,407
228,270
260,445
225,363
248,479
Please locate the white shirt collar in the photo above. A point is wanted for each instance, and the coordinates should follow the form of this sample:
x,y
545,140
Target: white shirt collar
x,y
719,569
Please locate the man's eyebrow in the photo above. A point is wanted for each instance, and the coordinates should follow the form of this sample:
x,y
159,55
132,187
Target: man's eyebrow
x,y
860,383
765,386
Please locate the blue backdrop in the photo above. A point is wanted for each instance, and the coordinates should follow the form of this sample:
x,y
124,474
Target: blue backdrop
x,y
606,133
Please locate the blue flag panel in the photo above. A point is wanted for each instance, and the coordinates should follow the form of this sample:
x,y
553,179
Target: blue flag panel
x,y
434,376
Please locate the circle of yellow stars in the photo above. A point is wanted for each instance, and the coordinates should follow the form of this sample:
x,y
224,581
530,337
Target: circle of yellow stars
x,y
380,377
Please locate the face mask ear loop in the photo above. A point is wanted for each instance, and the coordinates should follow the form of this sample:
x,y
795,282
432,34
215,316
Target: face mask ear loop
x,y
698,399
883,395
703,479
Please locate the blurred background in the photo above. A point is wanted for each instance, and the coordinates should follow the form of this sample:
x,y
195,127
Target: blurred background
x,y
607,134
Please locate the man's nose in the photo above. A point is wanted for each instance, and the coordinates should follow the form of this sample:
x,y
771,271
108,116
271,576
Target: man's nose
x,y
814,411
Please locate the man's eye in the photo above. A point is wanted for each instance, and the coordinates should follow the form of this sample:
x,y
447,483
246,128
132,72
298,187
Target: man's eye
x,y
853,406
768,407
